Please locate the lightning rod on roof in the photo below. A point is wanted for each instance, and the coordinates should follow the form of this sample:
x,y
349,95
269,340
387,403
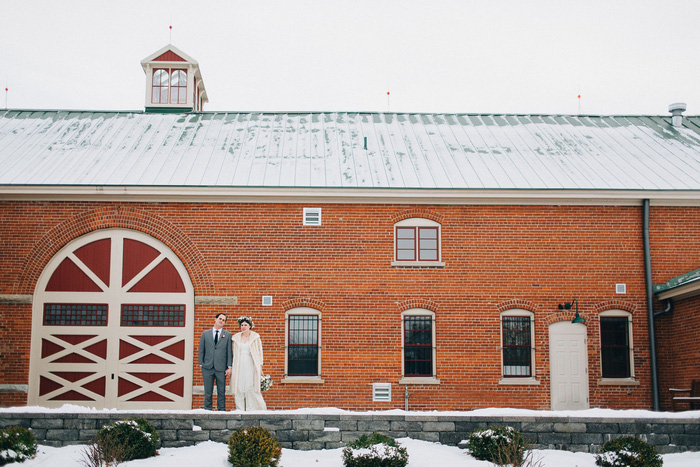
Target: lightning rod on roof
x,y
579,104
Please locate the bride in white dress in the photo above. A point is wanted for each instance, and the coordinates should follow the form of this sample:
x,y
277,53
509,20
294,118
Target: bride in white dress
x,y
247,367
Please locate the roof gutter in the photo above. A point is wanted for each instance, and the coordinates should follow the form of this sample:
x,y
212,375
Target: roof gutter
x,y
372,195
650,306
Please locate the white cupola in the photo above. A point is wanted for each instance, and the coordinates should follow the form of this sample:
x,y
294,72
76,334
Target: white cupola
x,y
173,82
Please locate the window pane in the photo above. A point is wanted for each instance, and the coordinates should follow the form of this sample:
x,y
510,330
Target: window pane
x,y
428,255
615,352
303,346
75,314
160,78
153,315
418,346
428,244
179,78
405,244
404,255
517,350
428,250
164,95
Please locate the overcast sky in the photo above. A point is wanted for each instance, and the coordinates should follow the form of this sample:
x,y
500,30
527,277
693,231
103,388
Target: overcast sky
x,y
485,56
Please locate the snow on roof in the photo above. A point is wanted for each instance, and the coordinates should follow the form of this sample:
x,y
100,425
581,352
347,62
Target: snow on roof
x,y
348,150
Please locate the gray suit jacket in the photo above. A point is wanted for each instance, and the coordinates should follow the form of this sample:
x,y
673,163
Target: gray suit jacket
x,y
218,357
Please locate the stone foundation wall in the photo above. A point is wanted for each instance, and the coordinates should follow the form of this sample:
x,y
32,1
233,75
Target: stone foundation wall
x,y
327,431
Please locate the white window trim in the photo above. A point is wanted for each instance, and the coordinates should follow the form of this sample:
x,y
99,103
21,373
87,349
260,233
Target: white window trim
x,y
170,66
631,381
418,379
419,222
516,380
301,379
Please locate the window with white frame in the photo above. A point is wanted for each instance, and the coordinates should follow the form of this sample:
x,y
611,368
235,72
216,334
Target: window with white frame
x,y
417,242
303,345
616,349
169,86
517,344
418,344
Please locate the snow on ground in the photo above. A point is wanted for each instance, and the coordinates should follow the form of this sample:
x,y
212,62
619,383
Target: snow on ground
x,y
421,453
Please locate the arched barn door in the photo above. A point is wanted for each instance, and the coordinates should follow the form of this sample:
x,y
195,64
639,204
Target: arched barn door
x,y
112,326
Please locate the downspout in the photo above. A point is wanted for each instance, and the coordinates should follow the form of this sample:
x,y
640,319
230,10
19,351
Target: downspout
x,y
668,309
650,307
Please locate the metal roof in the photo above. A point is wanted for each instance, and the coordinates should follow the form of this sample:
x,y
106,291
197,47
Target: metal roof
x,y
348,150
678,281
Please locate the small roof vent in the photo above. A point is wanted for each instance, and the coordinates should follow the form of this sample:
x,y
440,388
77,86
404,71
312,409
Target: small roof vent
x,y
677,110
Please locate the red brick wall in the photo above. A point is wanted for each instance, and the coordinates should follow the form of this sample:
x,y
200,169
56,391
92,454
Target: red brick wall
x,y
678,348
496,257
675,244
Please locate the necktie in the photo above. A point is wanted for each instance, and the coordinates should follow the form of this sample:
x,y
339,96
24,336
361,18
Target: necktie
x,y
216,337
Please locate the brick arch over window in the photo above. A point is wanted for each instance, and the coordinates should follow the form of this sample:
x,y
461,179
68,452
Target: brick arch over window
x,y
517,303
116,217
303,302
418,303
411,213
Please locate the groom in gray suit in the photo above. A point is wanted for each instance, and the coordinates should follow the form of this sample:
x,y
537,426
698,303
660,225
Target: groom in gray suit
x,y
215,359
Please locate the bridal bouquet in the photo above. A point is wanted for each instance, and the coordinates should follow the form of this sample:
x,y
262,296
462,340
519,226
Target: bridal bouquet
x,y
265,382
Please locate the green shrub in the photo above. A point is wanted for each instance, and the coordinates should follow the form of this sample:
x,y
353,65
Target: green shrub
x,y
501,445
17,444
628,451
375,450
124,440
253,447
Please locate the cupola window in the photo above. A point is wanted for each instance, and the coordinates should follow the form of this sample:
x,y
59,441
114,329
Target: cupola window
x,y
169,86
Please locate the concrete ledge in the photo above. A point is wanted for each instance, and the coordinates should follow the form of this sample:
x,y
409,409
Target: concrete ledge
x,y
329,431
14,388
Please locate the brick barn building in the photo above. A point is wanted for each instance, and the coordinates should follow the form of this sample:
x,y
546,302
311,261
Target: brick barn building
x,y
390,260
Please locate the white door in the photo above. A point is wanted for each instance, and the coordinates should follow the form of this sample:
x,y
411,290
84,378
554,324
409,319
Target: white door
x,y
112,325
568,356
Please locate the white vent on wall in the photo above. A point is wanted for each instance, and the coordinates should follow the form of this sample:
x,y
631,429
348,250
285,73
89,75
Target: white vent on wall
x,y
267,300
381,392
620,288
312,216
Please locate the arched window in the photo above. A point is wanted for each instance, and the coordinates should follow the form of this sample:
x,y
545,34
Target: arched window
x,y
160,87
178,87
418,344
302,362
517,346
169,86
616,349
417,243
